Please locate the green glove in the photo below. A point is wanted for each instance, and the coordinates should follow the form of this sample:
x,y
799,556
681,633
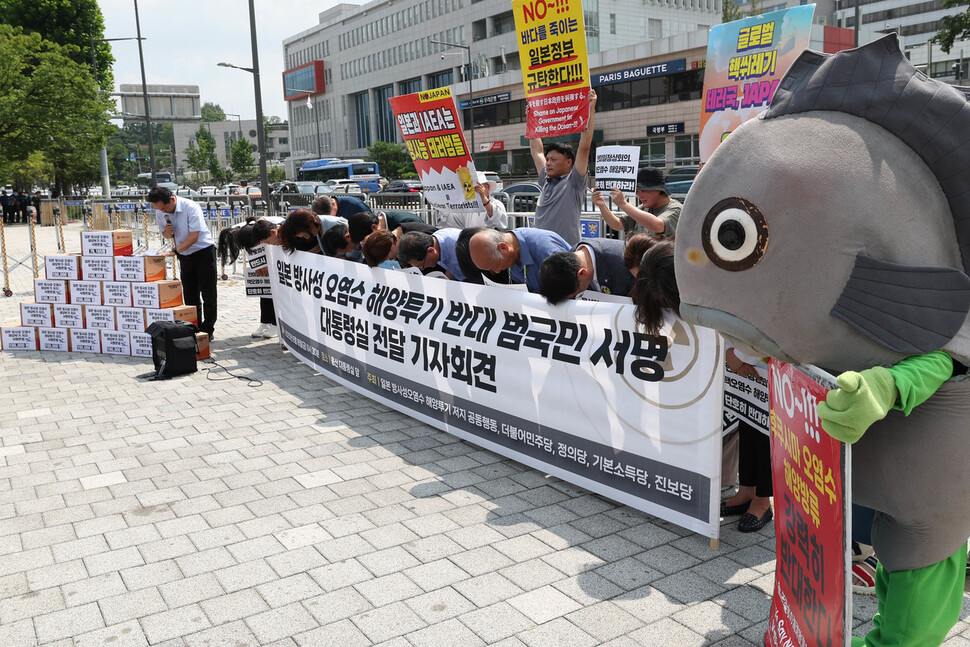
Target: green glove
x,y
861,399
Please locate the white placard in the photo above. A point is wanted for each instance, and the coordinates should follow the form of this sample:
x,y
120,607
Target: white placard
x,y
616,168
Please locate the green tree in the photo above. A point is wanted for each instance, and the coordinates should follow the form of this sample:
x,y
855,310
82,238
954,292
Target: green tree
x,y
393,160
212,112
241,157
730,10
49,103
955,27
65,22
33,171
276,173
200,155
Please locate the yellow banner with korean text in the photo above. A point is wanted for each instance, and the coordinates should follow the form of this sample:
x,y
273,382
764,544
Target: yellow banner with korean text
x,y
555,67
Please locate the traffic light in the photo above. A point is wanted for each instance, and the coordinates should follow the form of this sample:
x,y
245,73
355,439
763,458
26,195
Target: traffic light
x,y
147,159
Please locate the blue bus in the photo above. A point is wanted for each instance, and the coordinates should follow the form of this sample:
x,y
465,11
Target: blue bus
x,y
365,174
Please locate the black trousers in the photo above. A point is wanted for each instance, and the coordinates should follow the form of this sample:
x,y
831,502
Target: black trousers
x,y
198,273
267,313
754,459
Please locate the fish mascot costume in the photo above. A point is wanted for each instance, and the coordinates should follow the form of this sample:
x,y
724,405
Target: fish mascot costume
x,y
834,230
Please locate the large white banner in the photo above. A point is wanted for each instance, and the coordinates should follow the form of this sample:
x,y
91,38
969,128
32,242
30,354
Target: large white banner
x,y
573,390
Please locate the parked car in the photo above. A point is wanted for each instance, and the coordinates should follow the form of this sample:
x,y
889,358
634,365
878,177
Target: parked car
x,y
492,176
678,190
186,192
251,191
344,186
306,188
208,190
682,173
403,186
522,187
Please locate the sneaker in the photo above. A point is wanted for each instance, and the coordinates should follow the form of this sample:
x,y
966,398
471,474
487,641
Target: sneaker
x,y
270,331
261,331
864,576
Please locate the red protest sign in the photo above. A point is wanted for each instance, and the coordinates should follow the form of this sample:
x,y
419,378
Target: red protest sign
x,y
811,602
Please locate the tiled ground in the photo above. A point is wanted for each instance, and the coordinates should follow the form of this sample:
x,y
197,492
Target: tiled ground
x,y
209,510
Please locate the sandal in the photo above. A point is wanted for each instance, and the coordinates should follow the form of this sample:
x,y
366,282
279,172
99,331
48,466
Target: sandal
x,y
861,551
864,576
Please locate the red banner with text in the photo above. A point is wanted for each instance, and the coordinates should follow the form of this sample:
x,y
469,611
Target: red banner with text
x,y
811,602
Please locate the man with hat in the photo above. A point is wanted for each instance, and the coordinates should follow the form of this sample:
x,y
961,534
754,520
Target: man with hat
x,y
659,213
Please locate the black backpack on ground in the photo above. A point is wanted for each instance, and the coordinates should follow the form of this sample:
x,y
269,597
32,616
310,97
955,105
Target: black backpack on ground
x,y
173,348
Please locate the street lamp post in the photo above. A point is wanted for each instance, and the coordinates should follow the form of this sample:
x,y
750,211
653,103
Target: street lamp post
x,y
144,92
105,177
471,93
254,70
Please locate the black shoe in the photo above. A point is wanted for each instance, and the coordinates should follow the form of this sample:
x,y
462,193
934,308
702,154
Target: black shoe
x,y
751,523
732,510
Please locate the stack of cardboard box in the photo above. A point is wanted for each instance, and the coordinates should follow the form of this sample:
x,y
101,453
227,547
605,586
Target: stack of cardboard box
x,y
100,301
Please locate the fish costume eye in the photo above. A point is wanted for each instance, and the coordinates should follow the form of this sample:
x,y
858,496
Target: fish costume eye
x,y
735,234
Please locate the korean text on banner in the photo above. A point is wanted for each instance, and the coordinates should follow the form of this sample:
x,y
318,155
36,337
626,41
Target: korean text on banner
x,y
745,61
555,68
576,391
746,398
429,124
809,475
616,168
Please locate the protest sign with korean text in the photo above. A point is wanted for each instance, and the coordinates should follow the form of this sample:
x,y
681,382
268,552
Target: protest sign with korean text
x,y
745,61
257,285
574,390
429,123
616,168
811,603
555,68
746,398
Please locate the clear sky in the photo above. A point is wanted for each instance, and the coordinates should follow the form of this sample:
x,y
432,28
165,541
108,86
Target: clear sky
x,y
187,38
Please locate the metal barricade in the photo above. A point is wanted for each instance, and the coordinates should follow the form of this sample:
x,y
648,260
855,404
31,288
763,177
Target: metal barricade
x,y
413,202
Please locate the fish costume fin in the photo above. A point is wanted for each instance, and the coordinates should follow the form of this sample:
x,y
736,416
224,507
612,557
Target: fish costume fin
x,y
905,308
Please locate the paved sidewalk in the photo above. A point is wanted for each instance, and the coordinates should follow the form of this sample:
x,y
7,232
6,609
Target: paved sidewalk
x,y
204,511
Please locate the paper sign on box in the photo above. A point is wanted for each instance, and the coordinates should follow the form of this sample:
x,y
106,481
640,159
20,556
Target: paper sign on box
x,y
36,314
85,341
50,291
141,344
14,337
62,266
99,317
68,315
116,342
97,268
130,319
106,243
86,293
202,346
178,313
140,269
56,339
160,294
116,293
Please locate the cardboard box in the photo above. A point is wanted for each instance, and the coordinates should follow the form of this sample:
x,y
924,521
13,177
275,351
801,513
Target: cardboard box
x,y
68,315
178,313
107,243
130,319
99,317
86,293
85,341
62,266
141,344
140,269
116,342
54,339
116,293
14,337
97,268
51,291
159,294
36,314
202,346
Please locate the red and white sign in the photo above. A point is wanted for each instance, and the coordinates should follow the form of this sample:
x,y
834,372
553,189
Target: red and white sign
x,y
491,146
811,602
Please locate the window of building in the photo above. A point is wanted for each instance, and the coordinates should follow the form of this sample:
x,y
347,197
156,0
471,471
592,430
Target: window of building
x,y
410,86
362,119
613,24
386,125
686,150
654,28
442,79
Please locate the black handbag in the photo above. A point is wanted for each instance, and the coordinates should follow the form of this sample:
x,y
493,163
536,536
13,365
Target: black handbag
x,y
173,348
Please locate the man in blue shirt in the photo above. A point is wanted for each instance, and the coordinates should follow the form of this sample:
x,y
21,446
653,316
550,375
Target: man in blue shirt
x,y
520,251
419,249
181,221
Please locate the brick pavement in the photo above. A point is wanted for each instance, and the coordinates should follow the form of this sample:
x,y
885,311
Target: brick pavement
x,y
203,511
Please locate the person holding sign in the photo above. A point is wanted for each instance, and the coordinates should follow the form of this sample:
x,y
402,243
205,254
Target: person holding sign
x,y
659,214
562,178
494,215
